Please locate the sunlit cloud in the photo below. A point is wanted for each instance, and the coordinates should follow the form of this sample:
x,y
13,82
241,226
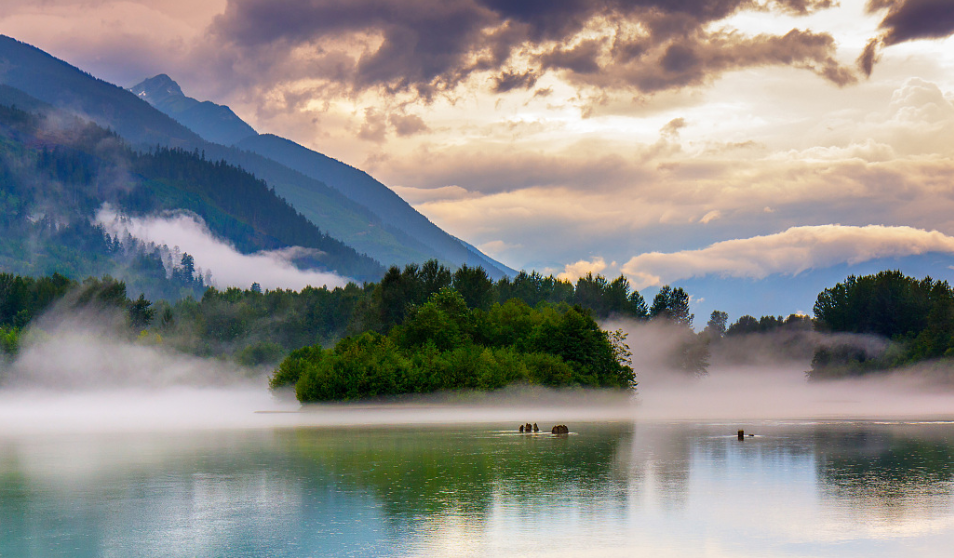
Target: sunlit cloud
x,y
574,271
790,252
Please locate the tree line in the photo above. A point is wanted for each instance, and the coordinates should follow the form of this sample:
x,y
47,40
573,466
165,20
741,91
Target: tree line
x,y
916,316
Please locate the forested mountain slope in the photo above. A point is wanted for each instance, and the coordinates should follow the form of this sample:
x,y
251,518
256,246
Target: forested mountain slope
x,y
56,83
55,178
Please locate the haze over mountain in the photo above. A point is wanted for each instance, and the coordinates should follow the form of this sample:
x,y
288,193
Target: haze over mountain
x,y
54,82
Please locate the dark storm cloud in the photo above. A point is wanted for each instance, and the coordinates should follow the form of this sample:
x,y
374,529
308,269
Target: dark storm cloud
x,y
907,20
581,59
428,46
696,59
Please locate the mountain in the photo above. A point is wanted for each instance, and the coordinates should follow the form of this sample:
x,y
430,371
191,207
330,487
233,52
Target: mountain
x,y
57,171
215,123
219,124
57,83
361,187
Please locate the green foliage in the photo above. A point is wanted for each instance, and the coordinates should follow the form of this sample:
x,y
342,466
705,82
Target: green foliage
x,y
716,327
767,324
445,345
474,286
9,341
23,298
888,304
917,316
263,352
672,304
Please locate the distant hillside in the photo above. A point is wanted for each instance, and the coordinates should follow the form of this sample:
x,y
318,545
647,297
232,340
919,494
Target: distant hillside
x,y
55,179
56,83
359,186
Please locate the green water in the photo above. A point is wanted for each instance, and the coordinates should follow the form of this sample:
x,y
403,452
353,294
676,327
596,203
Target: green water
x,y
796,489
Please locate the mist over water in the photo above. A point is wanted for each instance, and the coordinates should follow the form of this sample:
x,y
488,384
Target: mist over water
x,y
764,377
74,375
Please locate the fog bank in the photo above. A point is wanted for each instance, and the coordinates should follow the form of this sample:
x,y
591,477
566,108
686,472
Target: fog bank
x,y
763,376
75,376
272,269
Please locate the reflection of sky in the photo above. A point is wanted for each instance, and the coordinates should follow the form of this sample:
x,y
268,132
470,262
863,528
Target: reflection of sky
x,y
676,490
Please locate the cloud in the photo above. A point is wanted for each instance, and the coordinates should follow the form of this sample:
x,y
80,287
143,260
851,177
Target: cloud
x,y
906,20
671,129
574,271
375,126
408,124
510,80
789,252
272,269
426,47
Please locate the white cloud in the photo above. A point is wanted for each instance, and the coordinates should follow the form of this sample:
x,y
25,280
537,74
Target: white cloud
x,y
230,268
574,271
789,253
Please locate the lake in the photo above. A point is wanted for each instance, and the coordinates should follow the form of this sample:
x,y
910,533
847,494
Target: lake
x,y
799,488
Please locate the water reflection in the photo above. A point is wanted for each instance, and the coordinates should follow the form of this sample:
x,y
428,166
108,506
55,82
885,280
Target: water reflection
x,y
889,472
801,489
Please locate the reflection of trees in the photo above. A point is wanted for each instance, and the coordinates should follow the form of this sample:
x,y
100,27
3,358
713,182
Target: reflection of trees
x,y
887,472
427,472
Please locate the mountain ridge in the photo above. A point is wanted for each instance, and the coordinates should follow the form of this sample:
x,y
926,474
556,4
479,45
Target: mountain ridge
x,y
167,95
57,83
212,122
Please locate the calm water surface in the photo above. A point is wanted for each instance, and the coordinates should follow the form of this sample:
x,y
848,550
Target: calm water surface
x,y
795,489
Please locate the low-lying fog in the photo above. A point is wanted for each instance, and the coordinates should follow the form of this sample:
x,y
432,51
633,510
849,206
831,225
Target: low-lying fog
x,y
74,376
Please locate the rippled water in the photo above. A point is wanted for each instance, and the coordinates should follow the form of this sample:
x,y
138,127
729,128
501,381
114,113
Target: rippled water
x,y
794,489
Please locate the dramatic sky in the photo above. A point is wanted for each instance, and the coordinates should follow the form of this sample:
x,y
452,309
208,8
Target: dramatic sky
x,y
663,139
